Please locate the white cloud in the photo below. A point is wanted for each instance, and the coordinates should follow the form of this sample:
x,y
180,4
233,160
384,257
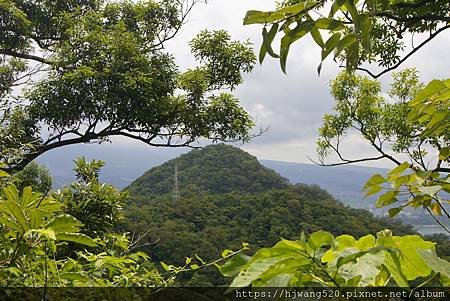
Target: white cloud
x,y
292,105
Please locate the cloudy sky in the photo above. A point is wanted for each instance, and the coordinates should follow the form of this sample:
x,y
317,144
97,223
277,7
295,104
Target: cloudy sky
x,y
291,105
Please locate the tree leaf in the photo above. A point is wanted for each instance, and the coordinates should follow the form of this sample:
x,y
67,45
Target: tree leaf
x,y
267,43
366,27
373,190
74,276
329,24
444,153
330,45
412,264
315,33
77,238
337,4
253,271
393,265
387,199
375,180
394,173
293,35
233,266
260,17
367,266
430,190
394,211
432,88
64,223
437,264
319,239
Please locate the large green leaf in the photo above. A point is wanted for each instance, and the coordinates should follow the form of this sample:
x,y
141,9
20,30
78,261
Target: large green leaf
x,y
293,35
387,199
27,196
412,264
12,208
430,190
329,24
396,172
260,17
234,265
366,27
337,4
319,239
254,271
368,267
74,276
376,179
431,89
437,264
64,223
393,265
77,238
266,47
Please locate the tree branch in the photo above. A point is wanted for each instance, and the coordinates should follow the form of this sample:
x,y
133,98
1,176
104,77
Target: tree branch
x,y
438,221
25,56
347,162
432,36
413,18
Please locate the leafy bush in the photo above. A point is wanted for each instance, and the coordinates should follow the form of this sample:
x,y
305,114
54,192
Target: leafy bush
x,y
33,231
343,261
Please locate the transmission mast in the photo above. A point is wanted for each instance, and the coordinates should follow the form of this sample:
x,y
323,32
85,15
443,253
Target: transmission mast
x,y
176,189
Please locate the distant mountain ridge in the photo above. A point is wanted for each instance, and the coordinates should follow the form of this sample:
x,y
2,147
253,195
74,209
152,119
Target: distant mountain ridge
x,y
125,164
343,182
215,169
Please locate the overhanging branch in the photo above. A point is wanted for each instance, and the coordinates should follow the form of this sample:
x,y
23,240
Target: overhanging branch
x,y
414,50
347,162
25,56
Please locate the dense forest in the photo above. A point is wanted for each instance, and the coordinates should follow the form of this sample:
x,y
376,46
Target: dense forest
x,y
93,71
227,197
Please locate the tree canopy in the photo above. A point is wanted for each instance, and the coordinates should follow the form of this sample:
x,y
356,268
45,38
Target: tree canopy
x,y
356,31
85,71
414,124
414,121
44,245
227,197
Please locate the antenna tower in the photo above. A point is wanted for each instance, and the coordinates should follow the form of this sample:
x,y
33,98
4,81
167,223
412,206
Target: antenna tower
x,y
176,189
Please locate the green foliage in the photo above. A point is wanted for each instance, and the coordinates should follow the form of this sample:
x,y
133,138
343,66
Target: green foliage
x,y
430,108
215,169
34,175
227,197
360,105
355,31
34,232
98,206
428,114
413,122
216,50
325,261
107,74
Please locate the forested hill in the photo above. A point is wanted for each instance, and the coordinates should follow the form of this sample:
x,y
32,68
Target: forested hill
x,y
215,169
227,197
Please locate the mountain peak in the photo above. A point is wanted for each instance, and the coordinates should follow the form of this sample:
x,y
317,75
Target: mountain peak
x,y
218,168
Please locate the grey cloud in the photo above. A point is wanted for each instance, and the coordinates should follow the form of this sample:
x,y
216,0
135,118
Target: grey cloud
x,y
292,105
